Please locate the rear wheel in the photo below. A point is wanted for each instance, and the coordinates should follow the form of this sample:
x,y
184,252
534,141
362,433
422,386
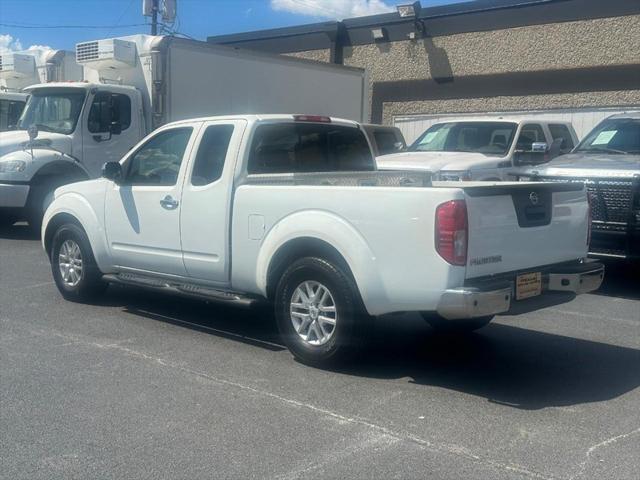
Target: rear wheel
x,y
441,324
73,266
319,312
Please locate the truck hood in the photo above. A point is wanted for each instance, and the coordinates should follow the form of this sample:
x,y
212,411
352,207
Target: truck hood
x,y
18,139
436,161
588,165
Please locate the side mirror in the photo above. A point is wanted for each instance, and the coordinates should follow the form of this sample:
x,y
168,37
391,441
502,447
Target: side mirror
x,y
539,153
32,131
115,128
112,171
398,146
539,147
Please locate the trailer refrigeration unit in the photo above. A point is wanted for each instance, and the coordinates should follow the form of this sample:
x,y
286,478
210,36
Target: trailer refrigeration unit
x,y
132,85
21,69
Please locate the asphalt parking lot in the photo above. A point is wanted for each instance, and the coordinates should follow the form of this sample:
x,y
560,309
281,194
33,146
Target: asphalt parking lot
x,y
142,386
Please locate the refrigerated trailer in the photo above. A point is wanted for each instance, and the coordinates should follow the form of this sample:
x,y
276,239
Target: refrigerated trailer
x,y
21,69
132,85
180,78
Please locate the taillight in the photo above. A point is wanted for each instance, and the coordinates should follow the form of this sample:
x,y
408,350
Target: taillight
x,y
452,231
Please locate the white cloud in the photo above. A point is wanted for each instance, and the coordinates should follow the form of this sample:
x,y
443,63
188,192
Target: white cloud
x,y
10,44
337,9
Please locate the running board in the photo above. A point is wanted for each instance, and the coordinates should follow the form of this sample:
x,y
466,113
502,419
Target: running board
x,y
183,289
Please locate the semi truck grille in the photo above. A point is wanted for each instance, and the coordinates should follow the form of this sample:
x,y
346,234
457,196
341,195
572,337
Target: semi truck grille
x,y
86,51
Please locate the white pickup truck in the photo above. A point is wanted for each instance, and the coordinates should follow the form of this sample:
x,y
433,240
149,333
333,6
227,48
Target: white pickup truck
x,y
483,148
290,209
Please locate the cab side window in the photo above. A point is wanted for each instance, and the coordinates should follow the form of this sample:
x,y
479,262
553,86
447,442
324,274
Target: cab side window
x,y
158,161
529,135
106,108
211,154
562,131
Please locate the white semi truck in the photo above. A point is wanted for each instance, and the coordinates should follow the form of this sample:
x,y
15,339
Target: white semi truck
x,y
132,85
21,69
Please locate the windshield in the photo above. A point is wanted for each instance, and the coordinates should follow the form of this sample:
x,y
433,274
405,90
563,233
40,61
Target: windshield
x,y
618,136
53,110
489,138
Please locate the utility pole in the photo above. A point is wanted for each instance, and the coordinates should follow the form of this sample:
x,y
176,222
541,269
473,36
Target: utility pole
x,y
154,18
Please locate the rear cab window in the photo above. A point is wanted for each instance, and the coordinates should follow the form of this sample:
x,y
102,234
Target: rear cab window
x,y
308,147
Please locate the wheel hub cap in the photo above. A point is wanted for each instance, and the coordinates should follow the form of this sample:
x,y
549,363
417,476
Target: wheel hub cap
x,y
313,313
70,263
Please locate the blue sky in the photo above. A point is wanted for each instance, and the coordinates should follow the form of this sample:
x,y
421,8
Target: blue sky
x,y
22,21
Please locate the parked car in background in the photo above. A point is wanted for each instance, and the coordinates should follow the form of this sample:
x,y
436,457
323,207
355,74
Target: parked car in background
x,y
483,148
608,162
384,139
285,208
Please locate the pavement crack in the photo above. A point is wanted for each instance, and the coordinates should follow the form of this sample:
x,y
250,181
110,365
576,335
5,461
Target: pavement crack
x,y
382,431
583,465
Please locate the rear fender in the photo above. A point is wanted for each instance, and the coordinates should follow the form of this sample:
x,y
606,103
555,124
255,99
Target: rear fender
x,y
336,232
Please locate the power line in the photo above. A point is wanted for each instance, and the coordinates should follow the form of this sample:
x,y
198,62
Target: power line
x,y
17,25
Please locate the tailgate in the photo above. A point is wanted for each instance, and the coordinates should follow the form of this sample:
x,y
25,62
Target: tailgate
x,y
520,226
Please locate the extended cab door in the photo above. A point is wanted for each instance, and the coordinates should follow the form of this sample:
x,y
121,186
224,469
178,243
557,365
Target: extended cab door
x,y
206,201
142,212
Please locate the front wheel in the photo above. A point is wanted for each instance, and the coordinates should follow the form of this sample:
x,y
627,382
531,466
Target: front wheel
x,y
73,266
441,324
319,312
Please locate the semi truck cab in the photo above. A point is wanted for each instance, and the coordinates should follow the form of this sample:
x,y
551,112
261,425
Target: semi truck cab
x,y
76,127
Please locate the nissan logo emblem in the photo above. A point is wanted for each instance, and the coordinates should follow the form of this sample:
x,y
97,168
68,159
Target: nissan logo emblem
x,y
533,198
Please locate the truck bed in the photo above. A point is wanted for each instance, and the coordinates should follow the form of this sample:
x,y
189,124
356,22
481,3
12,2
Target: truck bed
x,y
391,214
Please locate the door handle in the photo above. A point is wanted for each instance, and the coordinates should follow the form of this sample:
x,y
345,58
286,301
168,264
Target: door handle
x,y
169,203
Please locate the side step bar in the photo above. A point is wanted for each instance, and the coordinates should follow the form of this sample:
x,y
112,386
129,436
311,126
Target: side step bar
x,y
183,289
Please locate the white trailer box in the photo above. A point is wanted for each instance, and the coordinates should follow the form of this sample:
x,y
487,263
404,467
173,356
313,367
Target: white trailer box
x,y
181,78
39,65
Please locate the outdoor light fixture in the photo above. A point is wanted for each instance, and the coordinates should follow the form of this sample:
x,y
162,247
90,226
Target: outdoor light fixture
x,y
411,10
378,33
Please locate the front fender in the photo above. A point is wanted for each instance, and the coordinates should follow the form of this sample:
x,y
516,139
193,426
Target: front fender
x,y
41,161
335,231
88,211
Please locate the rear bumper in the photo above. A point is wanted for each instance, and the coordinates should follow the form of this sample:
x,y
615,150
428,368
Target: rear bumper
x,y
488,297
13,195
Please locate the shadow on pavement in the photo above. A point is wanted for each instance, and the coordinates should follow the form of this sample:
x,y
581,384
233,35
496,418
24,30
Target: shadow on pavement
x,y
19,231
512,366
621,279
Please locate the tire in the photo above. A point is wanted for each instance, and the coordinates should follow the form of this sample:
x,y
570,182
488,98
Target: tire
x,y
325,343
442,325
85,285
35,203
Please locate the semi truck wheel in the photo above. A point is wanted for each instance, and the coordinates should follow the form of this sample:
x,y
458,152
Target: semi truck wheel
x,y
73,266
441,324
319,312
